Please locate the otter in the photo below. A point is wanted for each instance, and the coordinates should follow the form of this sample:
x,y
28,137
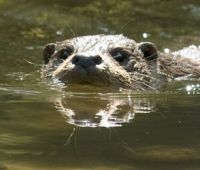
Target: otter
x,y
117,61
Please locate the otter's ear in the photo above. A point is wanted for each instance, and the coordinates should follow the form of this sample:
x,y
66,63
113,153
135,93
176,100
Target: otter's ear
x,y
149,50
49,49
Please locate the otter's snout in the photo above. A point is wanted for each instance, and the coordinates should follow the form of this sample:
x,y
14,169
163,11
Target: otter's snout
x,y
86,61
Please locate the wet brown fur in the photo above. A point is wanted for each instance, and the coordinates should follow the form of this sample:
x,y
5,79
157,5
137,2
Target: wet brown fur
x,y
120,62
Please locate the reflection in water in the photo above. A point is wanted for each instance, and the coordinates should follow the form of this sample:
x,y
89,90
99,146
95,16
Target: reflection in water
x,y
101,112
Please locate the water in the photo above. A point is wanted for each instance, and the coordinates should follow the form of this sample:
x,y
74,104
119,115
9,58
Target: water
x,y
46,127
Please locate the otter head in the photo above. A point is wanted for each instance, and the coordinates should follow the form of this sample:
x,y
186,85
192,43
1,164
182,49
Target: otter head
x,y
108,60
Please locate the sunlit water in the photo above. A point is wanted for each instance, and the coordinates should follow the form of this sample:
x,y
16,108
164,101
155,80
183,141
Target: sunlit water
x,y
43,126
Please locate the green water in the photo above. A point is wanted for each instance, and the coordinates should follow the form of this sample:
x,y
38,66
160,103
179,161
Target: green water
x,y
45,127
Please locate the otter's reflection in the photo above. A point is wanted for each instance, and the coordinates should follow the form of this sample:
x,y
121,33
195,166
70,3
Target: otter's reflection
x,y
101,111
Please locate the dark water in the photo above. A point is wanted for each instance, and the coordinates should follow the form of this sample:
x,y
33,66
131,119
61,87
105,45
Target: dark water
x,y
45,127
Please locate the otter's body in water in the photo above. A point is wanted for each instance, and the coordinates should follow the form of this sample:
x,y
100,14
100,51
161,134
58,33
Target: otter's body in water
x,y
117,61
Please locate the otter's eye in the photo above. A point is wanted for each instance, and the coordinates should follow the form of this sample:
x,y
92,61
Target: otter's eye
x,y
65,52
119,54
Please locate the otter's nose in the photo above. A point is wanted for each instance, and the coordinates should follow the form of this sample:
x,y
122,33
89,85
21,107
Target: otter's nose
x,y
86,61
